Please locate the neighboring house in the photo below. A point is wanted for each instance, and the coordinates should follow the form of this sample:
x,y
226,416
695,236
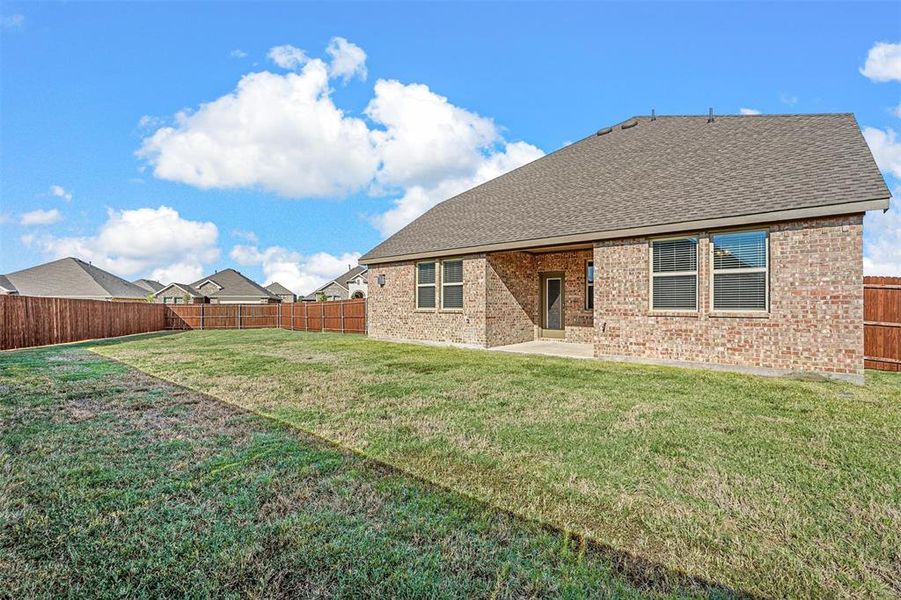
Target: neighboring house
x,y
7,288
734,241
231,287
282,292
179,293
71,278
351,284
151,285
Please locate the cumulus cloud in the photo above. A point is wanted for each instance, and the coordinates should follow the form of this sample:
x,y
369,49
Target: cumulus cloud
x,y
417,199
883,63
300,274
41,217
897,110
886,149
347,59
237,53
157,241
284,133
281,133
288,57
60,192
882,240
247,236
748,111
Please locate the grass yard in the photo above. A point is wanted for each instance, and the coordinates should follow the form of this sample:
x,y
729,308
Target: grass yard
x,y
771,487
117,484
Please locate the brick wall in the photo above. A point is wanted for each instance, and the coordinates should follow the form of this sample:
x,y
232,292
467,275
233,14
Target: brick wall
x,y
815,320
392,312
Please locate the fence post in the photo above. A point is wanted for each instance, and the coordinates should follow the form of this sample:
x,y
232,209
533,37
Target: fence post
x,y
321,317
278,317
201,317
239,316
342,317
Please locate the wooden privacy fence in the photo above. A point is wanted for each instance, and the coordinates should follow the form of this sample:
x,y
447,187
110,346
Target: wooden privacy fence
x,y
342,316
882,323
32,321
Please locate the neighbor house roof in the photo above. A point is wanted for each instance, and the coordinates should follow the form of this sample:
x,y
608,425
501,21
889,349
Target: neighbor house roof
x,y
342,280
72,278
278,289
184,287
6,287
151,285
653,175
233,284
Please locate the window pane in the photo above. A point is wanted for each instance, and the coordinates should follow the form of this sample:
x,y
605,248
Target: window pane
x,y
675,255
740,250
452,296
426,296
589,272
676,292
590,298
739,291
426,272
452,271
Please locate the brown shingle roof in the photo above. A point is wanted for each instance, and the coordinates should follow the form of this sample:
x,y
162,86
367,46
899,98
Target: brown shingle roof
x,y
234,284
73,278
670,170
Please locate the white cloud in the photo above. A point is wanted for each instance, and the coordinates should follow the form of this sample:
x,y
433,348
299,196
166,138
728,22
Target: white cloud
x,y
12,21
27,239
886,149
417,199
247,236
300,274
789,99
41,217
60,192
883,63
348,59
237,53
282,133
145,240
897,110
748,111
882,240
288,57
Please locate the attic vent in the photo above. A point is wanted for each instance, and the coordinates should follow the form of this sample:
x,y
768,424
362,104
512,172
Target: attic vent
x,y
629,124
605,130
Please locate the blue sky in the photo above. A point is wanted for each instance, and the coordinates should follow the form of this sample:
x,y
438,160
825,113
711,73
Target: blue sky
x,y
172,139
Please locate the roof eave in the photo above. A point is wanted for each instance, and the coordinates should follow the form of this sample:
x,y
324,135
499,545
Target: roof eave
x,y
845,208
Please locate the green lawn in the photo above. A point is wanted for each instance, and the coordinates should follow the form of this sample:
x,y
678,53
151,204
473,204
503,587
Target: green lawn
x,y
117,484
769,487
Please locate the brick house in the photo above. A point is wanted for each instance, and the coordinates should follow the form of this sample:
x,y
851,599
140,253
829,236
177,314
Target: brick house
x,y
733,241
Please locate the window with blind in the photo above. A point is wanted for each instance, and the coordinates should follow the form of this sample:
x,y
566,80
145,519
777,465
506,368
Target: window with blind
x,y
740,263
589,285
674,274
452,284
425,284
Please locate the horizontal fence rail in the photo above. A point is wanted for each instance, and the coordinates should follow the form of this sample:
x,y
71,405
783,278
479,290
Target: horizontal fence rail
x,y
27,321
882,323
341,316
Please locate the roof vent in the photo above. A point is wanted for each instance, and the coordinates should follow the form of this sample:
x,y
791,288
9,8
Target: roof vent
x,y
629,124
605,130
710,115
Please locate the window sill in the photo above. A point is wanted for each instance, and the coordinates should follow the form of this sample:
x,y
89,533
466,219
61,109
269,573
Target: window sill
x,y
425,310
740,314
451,311
692,314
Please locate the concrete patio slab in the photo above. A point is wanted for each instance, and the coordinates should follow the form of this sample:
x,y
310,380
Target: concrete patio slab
x,y
549,348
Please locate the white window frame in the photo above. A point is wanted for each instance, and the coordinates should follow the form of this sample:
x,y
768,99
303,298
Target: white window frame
x,y
443,285
433,285
589,287
765,269
652,275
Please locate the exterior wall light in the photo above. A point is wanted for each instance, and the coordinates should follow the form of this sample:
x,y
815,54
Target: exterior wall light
x,y
381,280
